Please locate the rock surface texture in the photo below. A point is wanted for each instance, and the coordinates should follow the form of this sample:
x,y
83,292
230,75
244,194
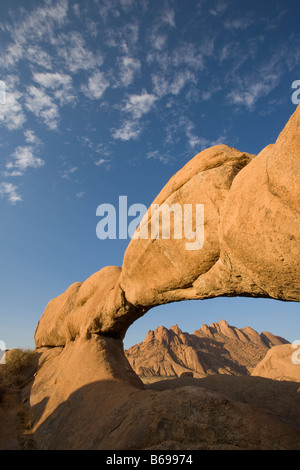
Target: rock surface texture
x,y
85,394
215,349
280,363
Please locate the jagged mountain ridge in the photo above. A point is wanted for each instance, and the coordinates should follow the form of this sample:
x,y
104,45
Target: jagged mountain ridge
x,y
215,349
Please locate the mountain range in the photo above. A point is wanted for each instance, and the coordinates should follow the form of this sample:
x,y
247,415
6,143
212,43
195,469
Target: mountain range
x,y
215,349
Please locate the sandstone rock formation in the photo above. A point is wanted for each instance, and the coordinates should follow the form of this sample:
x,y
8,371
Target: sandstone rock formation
x,y
215,349
251,248
280,363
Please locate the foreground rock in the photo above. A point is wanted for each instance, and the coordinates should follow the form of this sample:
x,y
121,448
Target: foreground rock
x,y
215,349
77,402
85,394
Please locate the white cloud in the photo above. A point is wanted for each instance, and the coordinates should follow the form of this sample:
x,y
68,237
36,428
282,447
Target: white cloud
x,y
76,9
100,162
60,83
53,80
156,155
97,84
67,173
247,93
193,57
167,17
104,162
129,130
193,139
10,191
80,195
129,67
163,86
180,81
72,49
158,41
36,24
127,4
23,157
41,105
207,94
37,56
219,8
13,173
160,84
11,113
239,23
31,137
14,53
138,105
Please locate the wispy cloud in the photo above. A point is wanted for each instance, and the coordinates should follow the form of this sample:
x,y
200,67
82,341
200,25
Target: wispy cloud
x,y
37,56
239,23
9,190
158,40
31,137
128,69
103,162
137,105
247,91
71,47
180,80
166,16
207,94
219,8
159,156
42,106
32,26
58,83
68,172
194,141
130,129
23,157
179,67
11,113
174,84
96,86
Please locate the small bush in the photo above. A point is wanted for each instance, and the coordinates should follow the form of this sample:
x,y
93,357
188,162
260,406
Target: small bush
x,y
18,361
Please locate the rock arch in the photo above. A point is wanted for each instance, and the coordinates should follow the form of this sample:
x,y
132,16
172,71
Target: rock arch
x,y
84,384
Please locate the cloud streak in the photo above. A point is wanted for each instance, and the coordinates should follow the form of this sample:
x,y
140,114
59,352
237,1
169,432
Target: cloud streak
x,y
9,190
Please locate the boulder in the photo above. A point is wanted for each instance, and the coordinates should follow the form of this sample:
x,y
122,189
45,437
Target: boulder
x,y
186,374
280,363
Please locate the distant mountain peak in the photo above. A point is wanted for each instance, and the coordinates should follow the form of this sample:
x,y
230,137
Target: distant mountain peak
x,y
215,349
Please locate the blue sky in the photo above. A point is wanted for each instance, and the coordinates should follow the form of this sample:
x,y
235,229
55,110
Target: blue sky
x,y
112,97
